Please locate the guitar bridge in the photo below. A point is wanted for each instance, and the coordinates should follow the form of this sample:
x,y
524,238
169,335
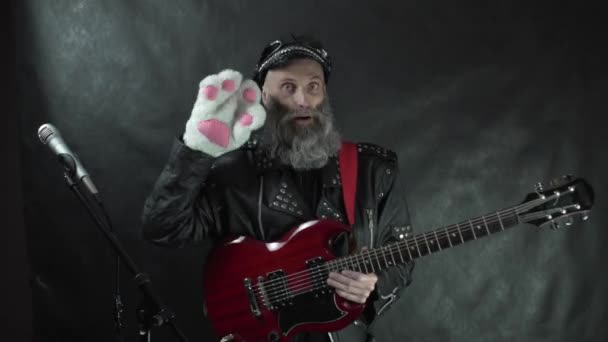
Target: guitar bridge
x,y
253,303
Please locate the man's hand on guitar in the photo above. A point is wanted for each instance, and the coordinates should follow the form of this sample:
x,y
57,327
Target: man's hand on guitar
x,y
353,286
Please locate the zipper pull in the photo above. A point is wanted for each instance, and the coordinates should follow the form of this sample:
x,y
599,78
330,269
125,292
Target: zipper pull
x,y
370,225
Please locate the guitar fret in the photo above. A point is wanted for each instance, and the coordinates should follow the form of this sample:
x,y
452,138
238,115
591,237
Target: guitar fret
x,y
399,250
407,248
377,259
352,261
384,256
473,230
365,263
392,257
428,247
437,239
417,247
459,233
447,233
485,224
501,226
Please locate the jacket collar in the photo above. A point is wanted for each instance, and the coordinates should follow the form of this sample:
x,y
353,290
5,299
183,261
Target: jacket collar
x,y
285,198
330,173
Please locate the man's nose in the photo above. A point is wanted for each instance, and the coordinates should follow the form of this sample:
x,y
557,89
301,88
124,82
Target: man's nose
x,y
301,100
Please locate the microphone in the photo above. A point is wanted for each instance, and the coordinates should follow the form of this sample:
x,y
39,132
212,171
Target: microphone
x,y
49,135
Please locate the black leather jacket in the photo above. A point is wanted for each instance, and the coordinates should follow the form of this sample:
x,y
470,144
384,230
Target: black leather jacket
x,y
199,197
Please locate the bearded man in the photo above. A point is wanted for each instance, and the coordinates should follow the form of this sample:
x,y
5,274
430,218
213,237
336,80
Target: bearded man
x,y
260,156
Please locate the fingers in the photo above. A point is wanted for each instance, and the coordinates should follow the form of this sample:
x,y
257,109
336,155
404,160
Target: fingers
x,y
354,298
353,283
358,277
250,114
215,89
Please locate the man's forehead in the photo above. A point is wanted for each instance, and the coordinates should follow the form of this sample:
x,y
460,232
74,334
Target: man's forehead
x,y
303,67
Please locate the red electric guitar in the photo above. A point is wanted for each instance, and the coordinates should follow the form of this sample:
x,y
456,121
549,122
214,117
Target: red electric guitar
x,y
256,291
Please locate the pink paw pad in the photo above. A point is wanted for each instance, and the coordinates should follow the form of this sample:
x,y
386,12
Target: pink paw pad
x,y
216,131
246,119
249,95
228,85
209,92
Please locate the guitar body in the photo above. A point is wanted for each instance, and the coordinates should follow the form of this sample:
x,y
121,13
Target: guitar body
x,y
256,291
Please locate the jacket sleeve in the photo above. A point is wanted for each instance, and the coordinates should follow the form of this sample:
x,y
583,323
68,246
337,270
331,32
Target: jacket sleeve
x,y
178,211
393,225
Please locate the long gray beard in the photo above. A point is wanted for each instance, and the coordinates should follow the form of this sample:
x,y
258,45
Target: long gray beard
x,y
302,147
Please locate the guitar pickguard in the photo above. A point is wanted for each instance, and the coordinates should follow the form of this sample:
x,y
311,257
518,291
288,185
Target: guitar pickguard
x,y
309,309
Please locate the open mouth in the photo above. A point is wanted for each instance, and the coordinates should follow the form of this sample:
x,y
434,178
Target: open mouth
x,y
302,119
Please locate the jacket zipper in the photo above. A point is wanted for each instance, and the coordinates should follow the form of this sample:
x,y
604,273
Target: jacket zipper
x,y
370,225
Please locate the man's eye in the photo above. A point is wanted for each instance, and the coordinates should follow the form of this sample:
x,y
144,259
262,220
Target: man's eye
x,y
288,87
313,87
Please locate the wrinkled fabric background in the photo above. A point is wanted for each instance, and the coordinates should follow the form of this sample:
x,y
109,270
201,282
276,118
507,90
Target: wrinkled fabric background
x,y
480,100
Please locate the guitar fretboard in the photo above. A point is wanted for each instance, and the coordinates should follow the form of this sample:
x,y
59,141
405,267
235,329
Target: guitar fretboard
x,y
403,251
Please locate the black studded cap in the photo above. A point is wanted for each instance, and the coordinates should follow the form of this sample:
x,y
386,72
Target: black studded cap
x,y
279,52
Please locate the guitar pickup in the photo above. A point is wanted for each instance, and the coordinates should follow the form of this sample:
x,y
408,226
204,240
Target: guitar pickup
x,y
276,291
318,274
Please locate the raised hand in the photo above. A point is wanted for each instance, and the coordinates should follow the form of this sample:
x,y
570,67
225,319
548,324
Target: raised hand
x,y
224,114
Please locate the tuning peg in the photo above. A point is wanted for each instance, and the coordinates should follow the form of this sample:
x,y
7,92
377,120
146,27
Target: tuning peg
x,y
538,187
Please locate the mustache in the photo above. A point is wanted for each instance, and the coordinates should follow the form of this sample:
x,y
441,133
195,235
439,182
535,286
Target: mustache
x,y
282,113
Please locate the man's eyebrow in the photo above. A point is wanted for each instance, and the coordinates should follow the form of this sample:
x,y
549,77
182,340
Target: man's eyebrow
x,y
311,75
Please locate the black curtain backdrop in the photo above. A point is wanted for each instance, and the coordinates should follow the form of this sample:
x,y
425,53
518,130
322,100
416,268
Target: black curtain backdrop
x,y
480,100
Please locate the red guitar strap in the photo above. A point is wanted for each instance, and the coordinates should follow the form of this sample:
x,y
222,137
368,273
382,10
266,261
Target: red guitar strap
x,y
348,174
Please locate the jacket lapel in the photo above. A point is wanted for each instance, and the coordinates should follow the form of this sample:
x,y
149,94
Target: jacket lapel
x,y
330,205
284,196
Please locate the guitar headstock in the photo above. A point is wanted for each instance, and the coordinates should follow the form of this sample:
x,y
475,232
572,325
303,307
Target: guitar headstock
x,y
562,202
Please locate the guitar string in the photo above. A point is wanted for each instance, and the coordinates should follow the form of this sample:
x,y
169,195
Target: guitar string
x,y
311,285
298,291
296,282
307,279
295,278
422,238
419,238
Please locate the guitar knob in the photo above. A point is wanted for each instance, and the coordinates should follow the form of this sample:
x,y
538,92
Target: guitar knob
x,y
273,336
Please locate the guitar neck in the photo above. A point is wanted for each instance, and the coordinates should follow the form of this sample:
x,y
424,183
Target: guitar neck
x,y
417,246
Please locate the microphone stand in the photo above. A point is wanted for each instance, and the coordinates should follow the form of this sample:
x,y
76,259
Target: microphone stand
x,y
118,305
151,312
